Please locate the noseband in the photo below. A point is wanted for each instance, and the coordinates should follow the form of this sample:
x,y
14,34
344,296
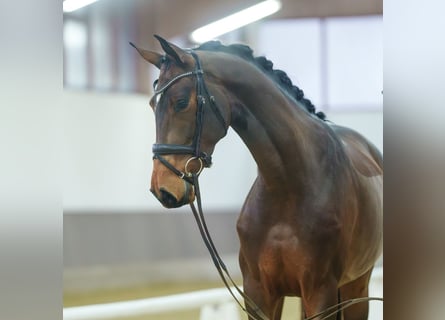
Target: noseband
x,y
202,96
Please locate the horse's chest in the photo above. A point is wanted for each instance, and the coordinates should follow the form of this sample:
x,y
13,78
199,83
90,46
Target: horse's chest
x,y
280,257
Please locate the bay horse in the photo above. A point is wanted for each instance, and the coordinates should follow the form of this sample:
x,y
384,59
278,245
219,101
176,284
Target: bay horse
x,y
311,225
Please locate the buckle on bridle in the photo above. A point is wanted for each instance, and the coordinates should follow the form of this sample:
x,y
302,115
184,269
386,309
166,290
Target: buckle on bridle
x,y
201,99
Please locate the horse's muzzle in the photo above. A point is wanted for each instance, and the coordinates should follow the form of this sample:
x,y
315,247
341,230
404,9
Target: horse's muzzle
x,y
169,200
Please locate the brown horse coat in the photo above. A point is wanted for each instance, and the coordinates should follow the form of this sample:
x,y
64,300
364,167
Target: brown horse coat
x,y
311,225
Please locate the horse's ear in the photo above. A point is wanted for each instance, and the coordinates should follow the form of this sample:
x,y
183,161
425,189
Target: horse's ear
x,y
151,56
173,51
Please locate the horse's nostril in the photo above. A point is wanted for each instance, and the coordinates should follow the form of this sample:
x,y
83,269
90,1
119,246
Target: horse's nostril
x,y
168,199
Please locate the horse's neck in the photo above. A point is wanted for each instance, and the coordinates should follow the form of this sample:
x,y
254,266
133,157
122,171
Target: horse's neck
x,y
279,142
279,134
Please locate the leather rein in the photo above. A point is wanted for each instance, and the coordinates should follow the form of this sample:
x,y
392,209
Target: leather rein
x,y
205,160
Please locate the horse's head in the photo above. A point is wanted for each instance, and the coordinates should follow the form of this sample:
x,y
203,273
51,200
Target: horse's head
x,y
190,120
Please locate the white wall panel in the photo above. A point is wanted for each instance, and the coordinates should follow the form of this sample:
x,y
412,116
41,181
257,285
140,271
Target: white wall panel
x,y
355,62
294,47
101,52
336,61
75,54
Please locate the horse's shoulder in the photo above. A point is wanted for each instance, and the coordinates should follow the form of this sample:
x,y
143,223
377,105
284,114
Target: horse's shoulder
x,y
365,157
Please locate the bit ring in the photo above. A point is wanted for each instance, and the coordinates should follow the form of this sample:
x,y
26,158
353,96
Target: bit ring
x,y
187,172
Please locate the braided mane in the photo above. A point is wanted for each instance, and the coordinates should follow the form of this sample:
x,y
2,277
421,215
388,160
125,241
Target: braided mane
x,y
266,65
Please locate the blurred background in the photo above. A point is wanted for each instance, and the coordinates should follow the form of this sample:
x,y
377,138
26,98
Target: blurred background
x,y
119,242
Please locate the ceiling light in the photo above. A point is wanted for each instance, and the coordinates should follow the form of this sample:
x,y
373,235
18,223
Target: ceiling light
x,y
236,20
72,5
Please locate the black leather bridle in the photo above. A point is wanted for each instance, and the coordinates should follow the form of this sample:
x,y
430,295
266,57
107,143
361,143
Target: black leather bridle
x,y
203,96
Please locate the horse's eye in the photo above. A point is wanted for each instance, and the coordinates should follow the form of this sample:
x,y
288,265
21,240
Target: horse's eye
x,y
181,104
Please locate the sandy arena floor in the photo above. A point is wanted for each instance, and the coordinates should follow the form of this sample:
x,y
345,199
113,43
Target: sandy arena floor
x,y
291,308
